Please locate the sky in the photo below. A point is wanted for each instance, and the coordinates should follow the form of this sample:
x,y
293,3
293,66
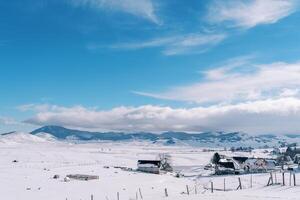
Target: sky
x,y
150,65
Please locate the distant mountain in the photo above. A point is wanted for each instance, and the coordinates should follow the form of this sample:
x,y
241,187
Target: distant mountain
x,y
64,133
221,139
8,133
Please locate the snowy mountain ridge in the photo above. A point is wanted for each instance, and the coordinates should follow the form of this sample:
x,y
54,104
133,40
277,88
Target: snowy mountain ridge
x,y
211,139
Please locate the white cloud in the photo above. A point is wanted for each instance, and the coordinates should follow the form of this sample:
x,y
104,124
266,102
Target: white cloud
x,y
9,124
267,116
8,121
227,84
250,13
142,8
289,92
175,45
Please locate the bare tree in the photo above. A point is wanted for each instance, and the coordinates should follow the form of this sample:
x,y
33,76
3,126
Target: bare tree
x,y
166,161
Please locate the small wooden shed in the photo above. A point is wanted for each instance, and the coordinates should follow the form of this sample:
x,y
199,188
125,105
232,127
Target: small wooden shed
x,y
149,166
82,177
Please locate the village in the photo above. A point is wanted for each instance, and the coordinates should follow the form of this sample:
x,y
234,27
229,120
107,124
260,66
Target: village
x,y
52,169
278,166
284,159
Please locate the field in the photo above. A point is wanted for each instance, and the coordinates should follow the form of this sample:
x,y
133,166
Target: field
x,y
38,159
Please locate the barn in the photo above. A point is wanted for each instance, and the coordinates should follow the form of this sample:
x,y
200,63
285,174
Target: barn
x,y
149,166
228,166
259,165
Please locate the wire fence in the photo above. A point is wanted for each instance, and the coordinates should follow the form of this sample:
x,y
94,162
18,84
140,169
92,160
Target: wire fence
x,y
214,184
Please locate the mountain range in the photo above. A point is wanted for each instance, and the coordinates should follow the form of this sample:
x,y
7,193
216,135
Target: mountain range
x,y
224,139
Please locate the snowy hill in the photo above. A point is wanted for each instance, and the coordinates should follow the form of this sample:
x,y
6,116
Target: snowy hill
x,y
215,139
25,138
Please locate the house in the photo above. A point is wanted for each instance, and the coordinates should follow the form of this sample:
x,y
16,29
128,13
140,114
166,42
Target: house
x,y
149,166
240,159
259,165
278,151
227,166
292,152
297,159
238,164
285,159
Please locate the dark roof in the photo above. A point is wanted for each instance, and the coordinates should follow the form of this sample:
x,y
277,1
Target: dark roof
x,y
293,149
154,162
227,164
240,159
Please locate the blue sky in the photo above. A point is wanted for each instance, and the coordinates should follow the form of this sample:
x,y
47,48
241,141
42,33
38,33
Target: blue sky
x,y
150,65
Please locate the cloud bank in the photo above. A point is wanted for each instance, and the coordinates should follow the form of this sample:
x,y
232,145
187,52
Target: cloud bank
x,y
280,115
8,121
238,83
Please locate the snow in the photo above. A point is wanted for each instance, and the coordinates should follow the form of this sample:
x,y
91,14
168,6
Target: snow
x,y
21,138
40,157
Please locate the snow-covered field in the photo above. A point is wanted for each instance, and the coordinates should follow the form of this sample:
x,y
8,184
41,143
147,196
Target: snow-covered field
x,y
40,158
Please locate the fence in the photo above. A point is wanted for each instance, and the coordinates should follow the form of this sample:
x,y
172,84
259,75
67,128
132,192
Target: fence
x,y
220,184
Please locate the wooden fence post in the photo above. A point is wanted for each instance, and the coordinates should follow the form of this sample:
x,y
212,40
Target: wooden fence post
x,y
251,184
187,190
92,197
294,176
196,189
212,187
140,191
283,179
166,192
270,181
118,196
271,175
224,185
290,183
240,184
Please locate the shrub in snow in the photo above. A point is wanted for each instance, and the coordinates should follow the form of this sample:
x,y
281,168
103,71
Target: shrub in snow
x,y
66,179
